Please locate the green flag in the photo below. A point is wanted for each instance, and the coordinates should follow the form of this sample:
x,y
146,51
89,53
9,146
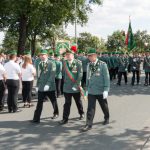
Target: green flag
x,y
130,38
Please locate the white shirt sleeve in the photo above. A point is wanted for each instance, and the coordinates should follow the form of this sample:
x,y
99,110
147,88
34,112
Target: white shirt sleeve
x,y
18,69
2,69
32,69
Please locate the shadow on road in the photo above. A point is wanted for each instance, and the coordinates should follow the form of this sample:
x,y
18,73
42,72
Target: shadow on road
x,y
27,135
129,89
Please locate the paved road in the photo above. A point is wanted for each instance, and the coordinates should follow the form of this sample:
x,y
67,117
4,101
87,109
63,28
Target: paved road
x,y
129,127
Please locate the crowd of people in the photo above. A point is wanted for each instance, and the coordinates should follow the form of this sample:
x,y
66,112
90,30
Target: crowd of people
x,y
71,74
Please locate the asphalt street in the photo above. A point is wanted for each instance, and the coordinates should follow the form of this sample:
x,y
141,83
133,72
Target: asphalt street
x,y
129,127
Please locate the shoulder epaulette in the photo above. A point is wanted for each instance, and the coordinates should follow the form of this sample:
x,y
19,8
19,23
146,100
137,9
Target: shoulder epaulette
x,y
102,62
79,61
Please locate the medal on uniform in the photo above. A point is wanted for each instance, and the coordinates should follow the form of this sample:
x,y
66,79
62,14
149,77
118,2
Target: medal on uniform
x,y
45,67
74,69
94,68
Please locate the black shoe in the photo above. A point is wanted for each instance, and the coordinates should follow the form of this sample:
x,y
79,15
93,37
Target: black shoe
x,y
82,117
34,121
63,122
106,122
10,111
1,108
119,84
86,128
54,117
18,110
145,84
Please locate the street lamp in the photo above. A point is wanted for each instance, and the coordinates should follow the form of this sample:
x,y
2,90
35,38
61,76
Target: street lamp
x,y
76,22
146,45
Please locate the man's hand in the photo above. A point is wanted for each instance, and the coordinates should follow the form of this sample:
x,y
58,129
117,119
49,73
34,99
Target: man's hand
x,y
105,94
46,87
74,89
36,89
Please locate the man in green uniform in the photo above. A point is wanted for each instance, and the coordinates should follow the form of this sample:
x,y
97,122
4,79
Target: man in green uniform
x,y
51,55
72,73
146,68
97,84
46,85
135,62
84,61
58,76
122,68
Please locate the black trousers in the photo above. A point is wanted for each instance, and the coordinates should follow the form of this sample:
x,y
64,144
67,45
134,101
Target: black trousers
x,y
68,101
120,77
58,86
41,95
13,88
111,74
27,91
2,93
129,68
62,84
116,72
83,81
91,108
147,78
136,74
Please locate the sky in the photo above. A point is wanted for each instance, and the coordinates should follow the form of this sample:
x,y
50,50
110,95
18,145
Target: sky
x,y
114,15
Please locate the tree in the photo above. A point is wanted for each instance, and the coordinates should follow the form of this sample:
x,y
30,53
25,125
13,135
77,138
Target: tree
x,y
31,17
142,40
87,40
116,41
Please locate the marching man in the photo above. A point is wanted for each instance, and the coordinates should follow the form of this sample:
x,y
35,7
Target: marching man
x,y
46,85
72,72
97,84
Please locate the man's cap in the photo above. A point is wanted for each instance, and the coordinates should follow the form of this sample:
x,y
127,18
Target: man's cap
x,y
91,51
43,51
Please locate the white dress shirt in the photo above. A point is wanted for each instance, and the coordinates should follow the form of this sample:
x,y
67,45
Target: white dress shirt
x,y
12,70
27,73
2,72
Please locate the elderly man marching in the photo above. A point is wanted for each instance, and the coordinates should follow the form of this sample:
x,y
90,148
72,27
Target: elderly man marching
x,y
72,72
97,84
46,85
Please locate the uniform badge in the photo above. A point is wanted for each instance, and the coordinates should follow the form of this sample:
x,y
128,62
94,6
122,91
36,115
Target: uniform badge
x,y
74,69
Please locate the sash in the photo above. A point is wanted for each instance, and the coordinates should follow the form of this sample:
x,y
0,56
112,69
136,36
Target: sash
x,y
71,76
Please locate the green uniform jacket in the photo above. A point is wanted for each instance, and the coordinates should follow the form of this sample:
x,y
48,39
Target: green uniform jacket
x,y
123,64
46,77
114,61
99,82
106,59
146,64
84,61
77,72
135,63
58,69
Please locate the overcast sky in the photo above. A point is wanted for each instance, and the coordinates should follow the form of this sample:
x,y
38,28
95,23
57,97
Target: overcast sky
x,y
114,15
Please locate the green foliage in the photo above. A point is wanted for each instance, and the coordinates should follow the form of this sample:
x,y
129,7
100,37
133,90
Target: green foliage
x,y
32,18
87,40
142,40
116,41
10,42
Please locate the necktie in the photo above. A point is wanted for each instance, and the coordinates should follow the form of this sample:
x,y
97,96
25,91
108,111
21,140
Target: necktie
x,y
69,63
43,63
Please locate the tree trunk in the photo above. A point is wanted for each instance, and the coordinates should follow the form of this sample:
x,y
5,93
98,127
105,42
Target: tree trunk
x,y
22,34
53,44
33,47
